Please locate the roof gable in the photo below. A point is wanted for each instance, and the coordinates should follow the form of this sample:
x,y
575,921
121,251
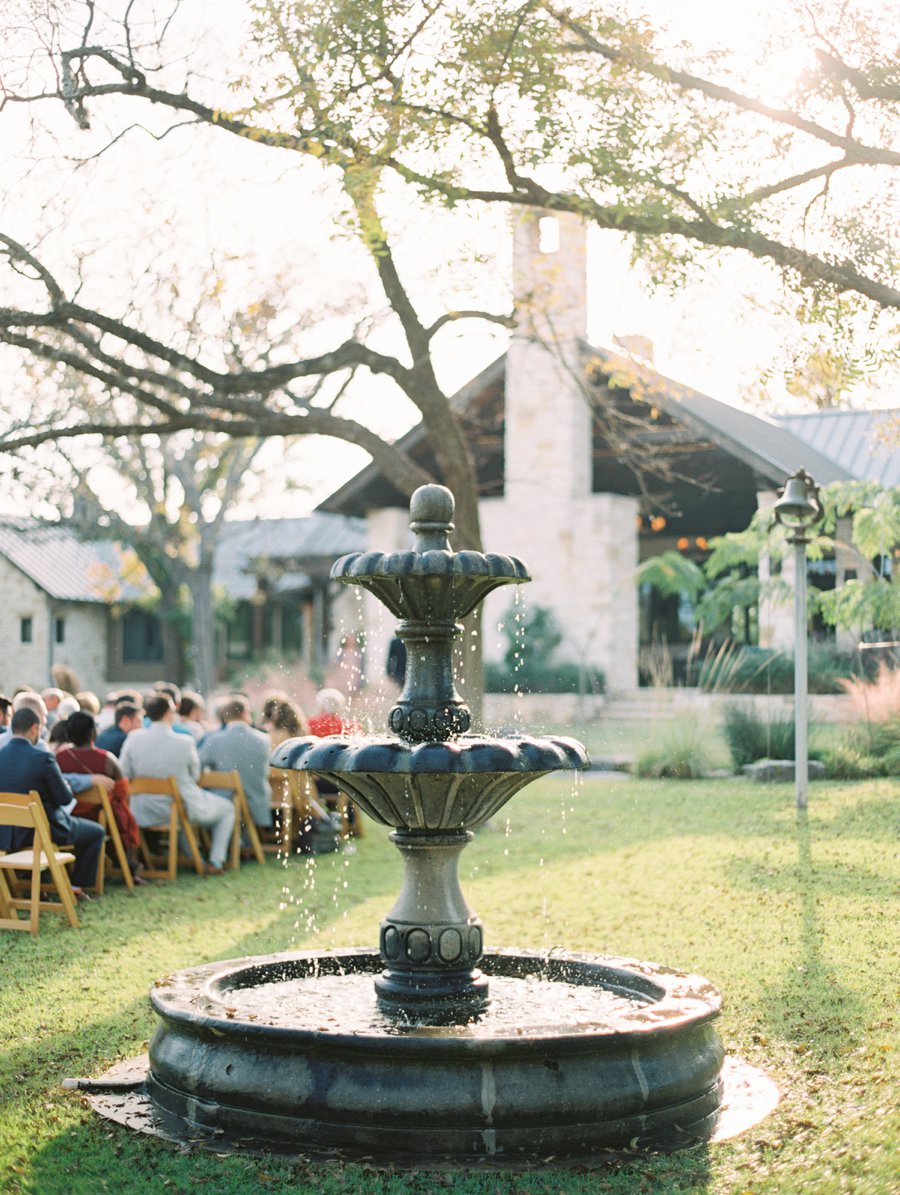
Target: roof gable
x,y
308,540
770,448
73,570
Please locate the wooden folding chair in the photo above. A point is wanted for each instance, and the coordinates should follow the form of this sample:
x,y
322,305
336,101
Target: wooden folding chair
x,y
99,796
26,811
231,781
295,799
178,821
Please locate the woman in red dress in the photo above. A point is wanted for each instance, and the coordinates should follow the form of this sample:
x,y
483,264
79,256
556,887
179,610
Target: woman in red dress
x,y
78,754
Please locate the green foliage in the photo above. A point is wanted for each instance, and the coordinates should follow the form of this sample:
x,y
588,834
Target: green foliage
x,y
529,665
731,582
870,749
532,637
751,737
679,752
741,669
560,677
672,573
848,761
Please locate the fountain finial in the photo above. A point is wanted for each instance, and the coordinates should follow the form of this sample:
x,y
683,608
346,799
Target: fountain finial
x,y
431,511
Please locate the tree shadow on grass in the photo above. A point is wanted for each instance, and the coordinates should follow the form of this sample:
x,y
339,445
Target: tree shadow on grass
x,y
97,1156
807,1004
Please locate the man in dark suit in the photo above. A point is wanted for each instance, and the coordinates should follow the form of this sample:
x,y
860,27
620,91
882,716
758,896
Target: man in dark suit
x,y
127,718
25,768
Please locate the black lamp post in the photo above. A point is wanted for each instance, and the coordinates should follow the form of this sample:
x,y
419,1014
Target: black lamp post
x,y
798,509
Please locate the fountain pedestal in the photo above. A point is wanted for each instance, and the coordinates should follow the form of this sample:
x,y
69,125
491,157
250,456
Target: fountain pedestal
x,y
431,941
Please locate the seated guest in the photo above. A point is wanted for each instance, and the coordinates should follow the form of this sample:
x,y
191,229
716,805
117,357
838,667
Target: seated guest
x,y
79,783
84,756
68,705
239,747
159,752
107,715
191,709
24,767
330,718
52,697
127,718
284,720
170,690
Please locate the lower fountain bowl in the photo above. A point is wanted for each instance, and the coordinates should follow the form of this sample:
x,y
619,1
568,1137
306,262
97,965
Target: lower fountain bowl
x,y
575,1055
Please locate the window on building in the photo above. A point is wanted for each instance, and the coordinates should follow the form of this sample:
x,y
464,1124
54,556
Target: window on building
x,y
59,630
142,641
548,234
26,629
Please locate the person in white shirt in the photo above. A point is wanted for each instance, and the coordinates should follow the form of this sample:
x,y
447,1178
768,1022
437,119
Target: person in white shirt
x,y
159,752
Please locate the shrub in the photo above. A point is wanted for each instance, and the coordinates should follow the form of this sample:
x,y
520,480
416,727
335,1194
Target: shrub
x,y
871,749
751,737
878,699
531,677
734,669
846,761
892,762
680,754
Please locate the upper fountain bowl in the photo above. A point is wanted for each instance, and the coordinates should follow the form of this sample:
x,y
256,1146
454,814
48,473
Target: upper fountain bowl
x,y
431,583
435,786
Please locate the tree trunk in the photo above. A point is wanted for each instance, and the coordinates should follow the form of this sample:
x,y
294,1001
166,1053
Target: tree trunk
x,y
174,646
203,629
458,474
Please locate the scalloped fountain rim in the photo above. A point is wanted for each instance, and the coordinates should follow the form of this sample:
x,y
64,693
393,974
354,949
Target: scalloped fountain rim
x,y
468,754
437,562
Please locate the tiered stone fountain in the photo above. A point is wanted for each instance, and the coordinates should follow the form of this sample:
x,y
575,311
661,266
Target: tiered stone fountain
x,y
434,1048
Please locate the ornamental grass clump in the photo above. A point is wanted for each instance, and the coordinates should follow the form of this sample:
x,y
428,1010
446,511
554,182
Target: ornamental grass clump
x,y
751,737
680,753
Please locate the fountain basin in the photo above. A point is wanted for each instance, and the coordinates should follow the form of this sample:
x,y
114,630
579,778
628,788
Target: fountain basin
x,y
243,1050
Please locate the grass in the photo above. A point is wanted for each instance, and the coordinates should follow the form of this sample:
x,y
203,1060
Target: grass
x,y
791,919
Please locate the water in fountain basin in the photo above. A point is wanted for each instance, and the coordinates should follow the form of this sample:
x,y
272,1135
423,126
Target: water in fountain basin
x,y
346,1004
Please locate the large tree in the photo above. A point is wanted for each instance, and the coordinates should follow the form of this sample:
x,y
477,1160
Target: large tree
x,y
581,109
519,103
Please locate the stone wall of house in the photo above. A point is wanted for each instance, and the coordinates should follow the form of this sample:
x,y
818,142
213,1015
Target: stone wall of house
x,y
29,663
23,663
83,647
582,547
583,557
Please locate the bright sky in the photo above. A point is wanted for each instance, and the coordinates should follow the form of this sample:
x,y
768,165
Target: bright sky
x,y
274,214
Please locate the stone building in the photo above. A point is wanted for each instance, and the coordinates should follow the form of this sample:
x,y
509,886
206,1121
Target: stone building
x,y
63,601
92,607
589,461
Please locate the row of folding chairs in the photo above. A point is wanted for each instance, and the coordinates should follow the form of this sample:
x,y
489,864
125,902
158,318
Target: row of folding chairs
x,y
295,801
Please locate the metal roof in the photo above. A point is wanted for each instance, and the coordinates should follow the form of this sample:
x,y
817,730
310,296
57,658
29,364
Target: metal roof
x,y
70,569
862,442
770,449
318,536
74,570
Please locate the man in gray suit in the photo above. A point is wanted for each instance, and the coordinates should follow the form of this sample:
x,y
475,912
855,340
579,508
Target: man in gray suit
x,y
237,746
159,752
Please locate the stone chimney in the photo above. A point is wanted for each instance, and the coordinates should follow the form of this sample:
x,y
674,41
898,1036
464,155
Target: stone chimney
x,y
548,420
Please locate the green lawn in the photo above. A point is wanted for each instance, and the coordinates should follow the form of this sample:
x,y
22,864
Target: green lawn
x,y
793,921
